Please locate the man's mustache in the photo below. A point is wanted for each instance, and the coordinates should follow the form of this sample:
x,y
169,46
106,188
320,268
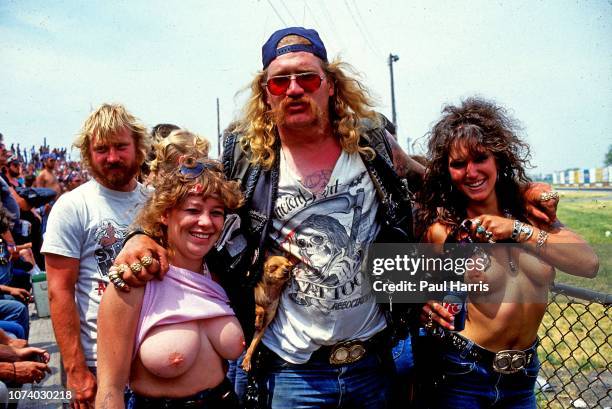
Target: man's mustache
x,y
116,165
278,114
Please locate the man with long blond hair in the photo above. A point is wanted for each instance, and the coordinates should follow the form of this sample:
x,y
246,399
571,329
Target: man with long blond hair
x,y
310,141
84,234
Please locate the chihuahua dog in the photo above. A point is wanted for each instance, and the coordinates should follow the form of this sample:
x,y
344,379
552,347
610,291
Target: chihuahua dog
x,y
276,273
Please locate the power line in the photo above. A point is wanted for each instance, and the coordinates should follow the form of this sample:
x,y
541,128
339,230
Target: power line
x,y
277,14
311,13
327,15
288,12
365,26
367,40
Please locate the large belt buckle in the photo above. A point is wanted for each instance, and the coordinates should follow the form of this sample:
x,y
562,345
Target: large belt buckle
x,y
509,361
347,352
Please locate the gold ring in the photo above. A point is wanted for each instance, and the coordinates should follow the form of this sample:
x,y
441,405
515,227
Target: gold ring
x,y
549,195
146,261
117,281
122,269
136,267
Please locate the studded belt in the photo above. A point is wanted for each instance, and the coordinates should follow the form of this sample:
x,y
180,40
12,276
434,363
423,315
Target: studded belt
x,y
505,362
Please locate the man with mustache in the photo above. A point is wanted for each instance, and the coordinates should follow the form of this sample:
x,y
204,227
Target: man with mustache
x,y
307,127
84,234
309,144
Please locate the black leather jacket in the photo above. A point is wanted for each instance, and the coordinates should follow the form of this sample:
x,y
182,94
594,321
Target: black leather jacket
x,y
260,187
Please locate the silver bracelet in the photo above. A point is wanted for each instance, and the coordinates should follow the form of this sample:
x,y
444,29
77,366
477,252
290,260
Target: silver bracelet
x,y
527,230
516,230
542,237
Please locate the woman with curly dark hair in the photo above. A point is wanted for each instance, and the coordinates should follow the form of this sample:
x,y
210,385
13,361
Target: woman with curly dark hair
x,y
472,194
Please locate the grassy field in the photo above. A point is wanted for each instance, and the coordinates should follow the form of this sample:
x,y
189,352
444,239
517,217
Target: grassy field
x,y
575,346
590,215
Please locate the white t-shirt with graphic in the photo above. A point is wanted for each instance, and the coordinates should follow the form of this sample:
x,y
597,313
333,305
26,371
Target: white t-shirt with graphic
x,y
89,224
325,301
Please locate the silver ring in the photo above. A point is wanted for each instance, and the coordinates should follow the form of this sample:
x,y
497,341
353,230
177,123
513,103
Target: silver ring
x,y
545,196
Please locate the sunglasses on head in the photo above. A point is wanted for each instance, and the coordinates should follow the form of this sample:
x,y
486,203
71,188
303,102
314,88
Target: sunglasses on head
x,y
279,84
190,168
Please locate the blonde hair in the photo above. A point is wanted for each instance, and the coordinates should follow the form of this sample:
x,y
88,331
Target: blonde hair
x,y
171,189
350,104
179,143
104,123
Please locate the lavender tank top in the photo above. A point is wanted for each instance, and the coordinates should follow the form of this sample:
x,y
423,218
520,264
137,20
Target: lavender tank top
x,y
181,296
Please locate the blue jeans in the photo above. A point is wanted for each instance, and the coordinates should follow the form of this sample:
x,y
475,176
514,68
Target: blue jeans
x,y
402,386
318,384
238,377
467,384
403,358
16,312
5,274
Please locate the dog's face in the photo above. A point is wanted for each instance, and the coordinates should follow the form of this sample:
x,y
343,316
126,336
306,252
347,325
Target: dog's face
x,y
277,269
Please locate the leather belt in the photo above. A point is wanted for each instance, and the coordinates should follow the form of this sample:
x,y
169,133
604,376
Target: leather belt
x,y
221,395
350,351
505,362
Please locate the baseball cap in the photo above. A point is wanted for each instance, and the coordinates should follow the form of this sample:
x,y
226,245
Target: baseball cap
x,y
269,51
46,156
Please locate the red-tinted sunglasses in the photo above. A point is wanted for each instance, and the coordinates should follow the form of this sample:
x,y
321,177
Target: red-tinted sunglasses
x,y
308,81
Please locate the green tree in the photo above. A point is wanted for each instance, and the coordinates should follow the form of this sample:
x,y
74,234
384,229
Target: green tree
x,y
608,160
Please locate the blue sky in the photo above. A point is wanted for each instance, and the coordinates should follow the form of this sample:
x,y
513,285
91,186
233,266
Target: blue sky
x,y
550,62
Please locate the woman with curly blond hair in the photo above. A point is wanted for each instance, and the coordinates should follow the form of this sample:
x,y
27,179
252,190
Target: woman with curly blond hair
x,y
169,340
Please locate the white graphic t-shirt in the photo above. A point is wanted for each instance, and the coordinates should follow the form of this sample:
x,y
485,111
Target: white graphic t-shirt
x,y
89,224
325,301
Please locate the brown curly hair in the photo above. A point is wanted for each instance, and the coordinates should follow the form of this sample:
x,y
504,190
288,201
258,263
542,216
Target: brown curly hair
x,y
350,104
171,189
479,125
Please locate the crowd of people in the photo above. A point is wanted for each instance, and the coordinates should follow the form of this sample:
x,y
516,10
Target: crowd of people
x,y
23,211
153,261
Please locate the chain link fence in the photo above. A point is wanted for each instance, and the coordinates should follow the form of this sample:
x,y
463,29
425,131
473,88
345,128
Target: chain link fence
x,y
575,350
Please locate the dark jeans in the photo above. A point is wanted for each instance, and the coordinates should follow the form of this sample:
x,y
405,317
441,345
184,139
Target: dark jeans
x,y
238,377
219,397
16,312
319,384
463,383
402,386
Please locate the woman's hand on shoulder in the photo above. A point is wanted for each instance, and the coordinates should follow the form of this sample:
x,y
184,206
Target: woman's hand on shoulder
x,y
141,260
544,211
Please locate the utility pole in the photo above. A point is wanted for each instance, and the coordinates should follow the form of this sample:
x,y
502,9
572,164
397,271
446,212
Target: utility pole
x,y
393,58
218,131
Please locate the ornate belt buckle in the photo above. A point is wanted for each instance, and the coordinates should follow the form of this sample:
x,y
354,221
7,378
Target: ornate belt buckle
x,y
509,361
347,352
